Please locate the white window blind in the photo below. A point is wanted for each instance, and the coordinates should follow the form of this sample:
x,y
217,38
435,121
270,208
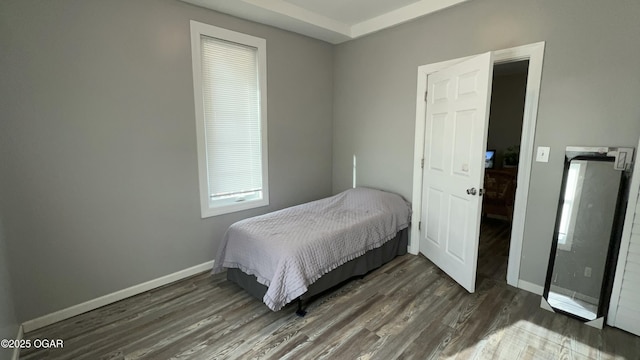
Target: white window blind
x,y
232,118
230,88
571,204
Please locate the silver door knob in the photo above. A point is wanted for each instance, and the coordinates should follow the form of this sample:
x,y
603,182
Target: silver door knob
x,y
472,191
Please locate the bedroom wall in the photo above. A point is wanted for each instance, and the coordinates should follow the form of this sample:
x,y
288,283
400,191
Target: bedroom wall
x,y
590,91
8,320
98,142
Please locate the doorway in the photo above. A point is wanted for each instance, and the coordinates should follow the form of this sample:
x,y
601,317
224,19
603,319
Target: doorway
x,y
501,168
534,54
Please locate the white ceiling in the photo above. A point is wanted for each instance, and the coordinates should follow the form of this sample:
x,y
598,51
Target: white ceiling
x,y
353,11
334,21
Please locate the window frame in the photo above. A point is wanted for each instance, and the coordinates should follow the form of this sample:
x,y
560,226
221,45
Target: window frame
x,y
197,31
572,206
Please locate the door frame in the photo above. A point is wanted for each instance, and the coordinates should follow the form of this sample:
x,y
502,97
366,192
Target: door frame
x,y
534,53
625,243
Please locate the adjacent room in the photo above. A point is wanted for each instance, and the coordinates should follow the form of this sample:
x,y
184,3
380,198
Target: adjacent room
x,y
140,175
501,166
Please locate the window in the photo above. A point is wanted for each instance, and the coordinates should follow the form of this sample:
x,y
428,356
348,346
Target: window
x,y
229,81
571,204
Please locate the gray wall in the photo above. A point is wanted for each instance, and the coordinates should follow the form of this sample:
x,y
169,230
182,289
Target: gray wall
x,y
590,92
8,320
507,108
98,142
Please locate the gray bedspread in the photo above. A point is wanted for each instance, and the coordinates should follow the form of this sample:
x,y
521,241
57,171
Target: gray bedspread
x,y
289,249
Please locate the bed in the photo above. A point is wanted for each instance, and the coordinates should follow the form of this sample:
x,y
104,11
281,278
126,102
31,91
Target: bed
x,y
298,252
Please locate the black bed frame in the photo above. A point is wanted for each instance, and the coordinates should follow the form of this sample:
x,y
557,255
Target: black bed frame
x,y
357,267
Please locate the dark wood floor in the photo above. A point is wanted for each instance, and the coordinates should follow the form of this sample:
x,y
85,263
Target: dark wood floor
x,y
407,309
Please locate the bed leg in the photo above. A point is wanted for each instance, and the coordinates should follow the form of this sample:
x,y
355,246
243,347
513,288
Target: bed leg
x,y
300,312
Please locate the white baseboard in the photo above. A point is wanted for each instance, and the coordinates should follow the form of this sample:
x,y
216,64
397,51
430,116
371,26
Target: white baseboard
x,y
530,287
72,311
16,351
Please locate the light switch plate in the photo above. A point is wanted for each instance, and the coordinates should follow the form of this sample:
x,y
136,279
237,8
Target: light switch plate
x,y
543,154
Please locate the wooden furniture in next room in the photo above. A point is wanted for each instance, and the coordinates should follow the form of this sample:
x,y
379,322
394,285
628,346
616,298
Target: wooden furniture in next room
x,y
499,192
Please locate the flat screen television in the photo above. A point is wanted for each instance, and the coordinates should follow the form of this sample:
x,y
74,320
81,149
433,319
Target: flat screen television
x,y
489,159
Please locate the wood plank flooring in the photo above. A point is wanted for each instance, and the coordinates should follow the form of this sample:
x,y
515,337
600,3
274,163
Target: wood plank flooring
x,y
408,309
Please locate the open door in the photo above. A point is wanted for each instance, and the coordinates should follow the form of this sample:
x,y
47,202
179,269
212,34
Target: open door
x,y
457,116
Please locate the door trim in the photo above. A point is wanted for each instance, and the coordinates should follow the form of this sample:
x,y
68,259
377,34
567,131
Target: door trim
x,y
625,242
534,53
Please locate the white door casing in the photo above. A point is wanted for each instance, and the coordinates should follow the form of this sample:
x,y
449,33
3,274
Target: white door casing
x,y
624,306
457,114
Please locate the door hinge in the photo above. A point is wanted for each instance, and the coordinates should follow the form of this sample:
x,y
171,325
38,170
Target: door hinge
x,y
419,225
425,96
422,163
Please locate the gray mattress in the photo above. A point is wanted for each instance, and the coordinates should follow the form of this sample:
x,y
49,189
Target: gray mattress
x,y
359,266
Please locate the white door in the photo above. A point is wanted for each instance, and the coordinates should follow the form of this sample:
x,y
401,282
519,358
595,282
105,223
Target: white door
x,y
457,115
624,307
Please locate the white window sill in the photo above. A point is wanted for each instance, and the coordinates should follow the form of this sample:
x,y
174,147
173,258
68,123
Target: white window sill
x,y
232,207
